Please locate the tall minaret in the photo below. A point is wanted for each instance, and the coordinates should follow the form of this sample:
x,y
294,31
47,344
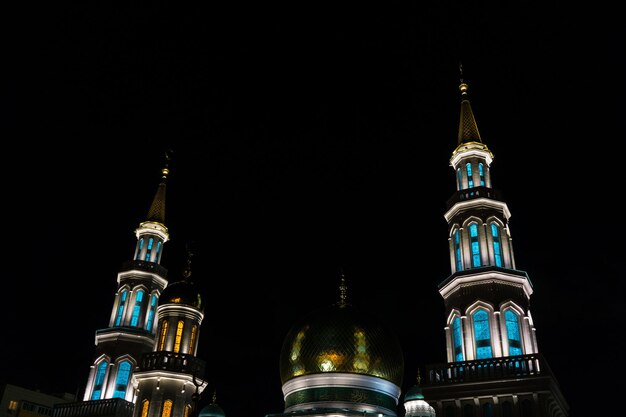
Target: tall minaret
x,y
132,325
170,379
491,346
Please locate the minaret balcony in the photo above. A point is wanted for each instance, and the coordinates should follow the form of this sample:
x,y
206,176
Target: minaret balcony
x,y
111,407
473,193
492,369
144,266
172,362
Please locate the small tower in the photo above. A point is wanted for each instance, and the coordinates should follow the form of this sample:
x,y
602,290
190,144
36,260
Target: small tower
x,y
414,404
132,324
169,379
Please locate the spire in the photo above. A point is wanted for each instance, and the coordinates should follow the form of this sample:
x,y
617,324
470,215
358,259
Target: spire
x,y
468,130
342,291
187,269
157,209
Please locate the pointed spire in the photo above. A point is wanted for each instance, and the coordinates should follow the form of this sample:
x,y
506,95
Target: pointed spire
x,y
157,209
343,290
468,130
187,269
419,377
214,400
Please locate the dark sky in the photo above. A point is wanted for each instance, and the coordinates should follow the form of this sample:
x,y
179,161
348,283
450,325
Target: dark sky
x,y
306,139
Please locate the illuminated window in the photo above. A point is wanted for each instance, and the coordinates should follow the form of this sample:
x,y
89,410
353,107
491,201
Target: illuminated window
x,y
457,250
475,245
179,336
167,408
139,250
163,334
470,180
121,382
144,408
149,249
158,251
512,331
458,339
459,178
481,173
120,308
187,410
497,247
12,405
100,374
153,303
137,308
192,339
482,335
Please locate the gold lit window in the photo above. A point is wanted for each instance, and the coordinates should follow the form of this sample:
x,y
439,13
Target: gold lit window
x,y
163,334
12,405
192,339
167,408
187,410
144,408
179,336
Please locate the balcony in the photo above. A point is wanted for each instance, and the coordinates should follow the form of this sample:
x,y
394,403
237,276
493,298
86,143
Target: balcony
x,y
509,367
173,362
112,407
144,266
472,193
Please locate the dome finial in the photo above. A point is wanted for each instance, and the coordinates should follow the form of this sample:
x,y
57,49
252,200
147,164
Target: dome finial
x,y
187,270
342,289
166,170
463,87
214,400
419,377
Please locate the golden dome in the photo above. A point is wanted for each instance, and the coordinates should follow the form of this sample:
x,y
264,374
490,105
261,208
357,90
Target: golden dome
x,y
339,338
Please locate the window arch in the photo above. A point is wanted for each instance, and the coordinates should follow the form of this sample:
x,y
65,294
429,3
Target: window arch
x,y
96,394
144,408
192,339
468,411
487,410
511,318
163,334
507,409
138,257
457,250
179,335
527,408
120,308
153,304
481,174
482,334
187,410
134,320
449,411
475,244
457,337
497,245
167,408
149,249
459,178
158,251
121,381
470,180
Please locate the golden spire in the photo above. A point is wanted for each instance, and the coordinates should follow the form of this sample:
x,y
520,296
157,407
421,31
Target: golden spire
x,y
343,290
468,130
157,209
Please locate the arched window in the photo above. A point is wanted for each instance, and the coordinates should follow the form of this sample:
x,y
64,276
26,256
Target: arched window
x,y
459,178
507,409
457,335
511,319
497,246
153,304
134,320
120,308
527,408
158,252
470,180
121,382
450,411
468,411
179,336
487,410
481,173
100,374
192,339
457,250
167,408
138,257
144,408
149,249
187,410
475,244
482,335
163,334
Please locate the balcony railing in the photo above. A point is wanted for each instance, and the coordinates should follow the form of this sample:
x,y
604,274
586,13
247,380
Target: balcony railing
x,y
144,266
488,369
472,193
174,362
112,407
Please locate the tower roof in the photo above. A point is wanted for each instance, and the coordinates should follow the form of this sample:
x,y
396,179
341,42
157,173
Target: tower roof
x,y
157,208
468,130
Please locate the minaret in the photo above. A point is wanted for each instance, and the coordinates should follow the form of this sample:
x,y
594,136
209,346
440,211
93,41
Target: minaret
x,y
132,326
169,379
491,346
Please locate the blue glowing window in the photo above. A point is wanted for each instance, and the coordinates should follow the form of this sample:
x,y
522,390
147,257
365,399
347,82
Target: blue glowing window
x,y
457,251
459,178
482,335
481,173
457,334
470,180
120,308
139,249
158,252
149,249
121,382
97,388
512,330
475,244
497,247
487,410
136,309
153,303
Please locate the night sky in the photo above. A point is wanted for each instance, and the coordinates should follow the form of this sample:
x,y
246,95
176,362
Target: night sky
x,y
305,140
